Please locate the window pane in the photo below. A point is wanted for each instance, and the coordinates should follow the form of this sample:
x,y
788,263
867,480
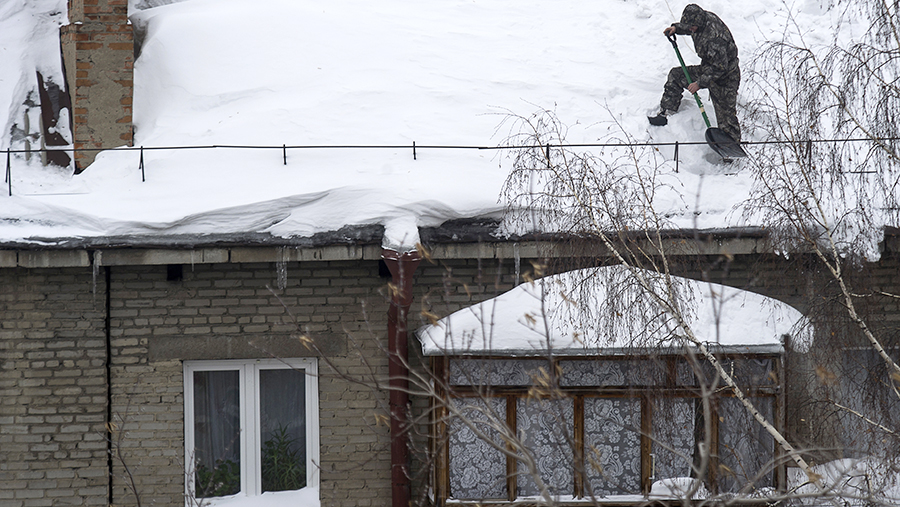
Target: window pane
x,y
746,371
604,372
282,425
477,467
217,433
674,439
746,449
546,428
496,372
612,446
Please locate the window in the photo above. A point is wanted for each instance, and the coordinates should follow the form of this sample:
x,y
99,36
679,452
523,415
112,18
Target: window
x,y
614,428
251,427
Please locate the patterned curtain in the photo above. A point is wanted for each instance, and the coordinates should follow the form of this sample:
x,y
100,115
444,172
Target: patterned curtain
x,y
477,468
602,372
612,446
745,448
495,372
546,428
673,437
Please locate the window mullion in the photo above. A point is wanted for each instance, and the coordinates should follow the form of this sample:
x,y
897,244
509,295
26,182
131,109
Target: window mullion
x,y
512,464
579,472
189,438
647,464
249,427
312,421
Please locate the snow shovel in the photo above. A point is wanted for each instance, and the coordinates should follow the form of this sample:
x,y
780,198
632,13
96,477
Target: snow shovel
x,y
716,138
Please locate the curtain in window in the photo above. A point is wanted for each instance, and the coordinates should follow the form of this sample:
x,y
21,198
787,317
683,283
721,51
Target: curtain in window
x,y
496,372
673,437
612,446
282,426
217,433
745,447
477,468
604,372
546,427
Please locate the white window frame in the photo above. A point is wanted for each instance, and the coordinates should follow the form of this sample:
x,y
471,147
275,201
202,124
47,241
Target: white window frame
x,y
251,458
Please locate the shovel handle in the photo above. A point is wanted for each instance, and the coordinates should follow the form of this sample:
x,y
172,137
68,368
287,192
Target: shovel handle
x,y
687,75
672,40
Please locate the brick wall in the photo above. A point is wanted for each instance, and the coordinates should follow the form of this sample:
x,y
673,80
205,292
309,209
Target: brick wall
x,y
219,311
229,311
98,56
52,388
53,346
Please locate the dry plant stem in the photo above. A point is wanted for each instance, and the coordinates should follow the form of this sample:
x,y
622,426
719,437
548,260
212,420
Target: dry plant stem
x,y
675,312
427,385
840,101
567,188
895,29
864,418
818,216
704,351
834,268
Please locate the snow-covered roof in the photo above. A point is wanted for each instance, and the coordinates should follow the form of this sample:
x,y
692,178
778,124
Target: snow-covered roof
x,y
602,311
444,75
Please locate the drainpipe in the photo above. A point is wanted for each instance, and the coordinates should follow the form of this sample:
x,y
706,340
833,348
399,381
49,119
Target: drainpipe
x,y
402,267
109,411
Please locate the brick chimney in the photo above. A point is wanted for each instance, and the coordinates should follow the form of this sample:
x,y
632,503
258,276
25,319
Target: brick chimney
x,y
98,57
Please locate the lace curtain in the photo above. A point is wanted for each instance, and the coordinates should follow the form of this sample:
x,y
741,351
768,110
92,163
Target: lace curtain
x,y
612,427
612,446
495,372
546,428
477,468
673,437
588,373
745,448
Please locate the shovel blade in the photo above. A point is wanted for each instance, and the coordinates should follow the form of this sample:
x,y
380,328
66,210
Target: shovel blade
x,y
723,144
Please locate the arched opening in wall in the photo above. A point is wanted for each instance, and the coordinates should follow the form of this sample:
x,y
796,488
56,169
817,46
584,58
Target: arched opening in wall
x,y
539,397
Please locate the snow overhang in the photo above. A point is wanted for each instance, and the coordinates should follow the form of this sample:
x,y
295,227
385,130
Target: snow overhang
x,y
602,311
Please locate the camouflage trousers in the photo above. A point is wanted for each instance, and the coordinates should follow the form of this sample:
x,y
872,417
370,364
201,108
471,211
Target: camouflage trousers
x,y
723,94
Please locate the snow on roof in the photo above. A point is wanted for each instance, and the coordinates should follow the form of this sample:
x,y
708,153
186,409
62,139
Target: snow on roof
x,y
357,72
601,311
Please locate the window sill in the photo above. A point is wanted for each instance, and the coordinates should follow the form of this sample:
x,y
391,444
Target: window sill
x,y
306,497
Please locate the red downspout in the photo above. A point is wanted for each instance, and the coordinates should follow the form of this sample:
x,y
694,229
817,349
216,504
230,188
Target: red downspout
x,y
402,267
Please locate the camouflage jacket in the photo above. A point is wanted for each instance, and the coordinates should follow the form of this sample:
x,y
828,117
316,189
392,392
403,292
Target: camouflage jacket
x,y
716,48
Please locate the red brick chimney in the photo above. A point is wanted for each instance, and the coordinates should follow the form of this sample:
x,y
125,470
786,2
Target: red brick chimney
x,y
98,57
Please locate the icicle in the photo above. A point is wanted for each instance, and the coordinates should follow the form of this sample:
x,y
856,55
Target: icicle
x,y
192,261
281,268
95,272
518,261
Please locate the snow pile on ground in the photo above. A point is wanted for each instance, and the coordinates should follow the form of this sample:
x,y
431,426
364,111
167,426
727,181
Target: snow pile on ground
x,y
567,314
353,72
679,487
857,482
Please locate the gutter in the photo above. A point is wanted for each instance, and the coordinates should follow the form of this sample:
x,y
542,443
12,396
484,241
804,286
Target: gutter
x,y
402,267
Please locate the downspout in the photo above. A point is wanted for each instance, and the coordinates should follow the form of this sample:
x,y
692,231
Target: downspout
x,y
402,267
109,421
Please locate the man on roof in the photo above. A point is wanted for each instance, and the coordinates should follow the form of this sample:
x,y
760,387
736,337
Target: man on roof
x,y
718,70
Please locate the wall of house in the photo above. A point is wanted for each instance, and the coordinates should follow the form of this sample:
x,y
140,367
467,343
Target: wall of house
x,y
52,384
52,388
53,341
235,311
